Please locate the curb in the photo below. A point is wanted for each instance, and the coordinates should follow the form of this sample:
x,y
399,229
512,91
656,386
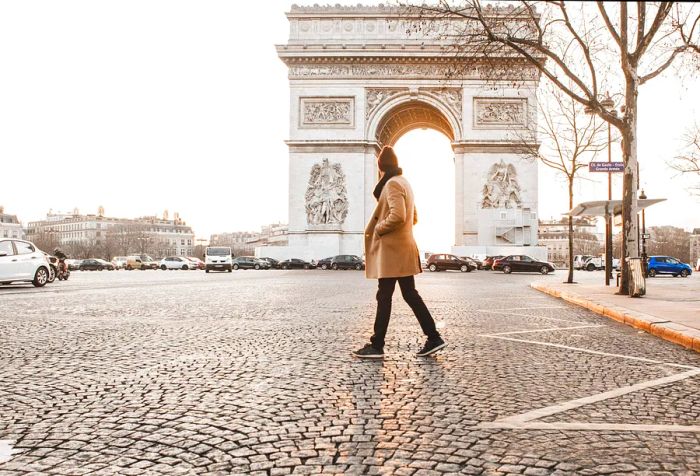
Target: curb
x,y
663,328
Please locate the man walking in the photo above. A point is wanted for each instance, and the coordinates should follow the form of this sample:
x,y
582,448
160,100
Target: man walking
x,y
392,256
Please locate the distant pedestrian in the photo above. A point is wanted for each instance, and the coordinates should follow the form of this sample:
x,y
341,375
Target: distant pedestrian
x,y
392,256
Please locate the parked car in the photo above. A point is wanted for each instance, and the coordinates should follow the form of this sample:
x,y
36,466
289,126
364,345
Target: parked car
x,y
119,262
522,263
325,263
442,262
474,262
597,263
249,262
175,262
668,265
95,264
141,262
580,261
274,264
295,263
488,262
198,263
73,264
20,260
347,262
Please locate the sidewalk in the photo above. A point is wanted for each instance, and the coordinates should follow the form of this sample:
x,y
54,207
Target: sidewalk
x,y
670,309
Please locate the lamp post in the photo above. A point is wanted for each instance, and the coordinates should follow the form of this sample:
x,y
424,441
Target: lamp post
x,y
609,105
642,196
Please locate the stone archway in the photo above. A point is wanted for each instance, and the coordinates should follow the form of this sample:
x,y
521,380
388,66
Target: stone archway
x,y
359,81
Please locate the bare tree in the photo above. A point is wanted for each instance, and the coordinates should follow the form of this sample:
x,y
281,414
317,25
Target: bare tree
x,y
568,139
669,241
583,48
46,241
688,161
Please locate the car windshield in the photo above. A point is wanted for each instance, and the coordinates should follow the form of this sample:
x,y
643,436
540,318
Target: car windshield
x,y
218,251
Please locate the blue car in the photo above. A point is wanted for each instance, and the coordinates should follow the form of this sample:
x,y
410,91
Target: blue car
x,y
667,265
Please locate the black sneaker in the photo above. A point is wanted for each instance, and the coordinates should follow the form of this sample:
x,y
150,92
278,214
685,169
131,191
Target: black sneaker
x,y
432,346
369,352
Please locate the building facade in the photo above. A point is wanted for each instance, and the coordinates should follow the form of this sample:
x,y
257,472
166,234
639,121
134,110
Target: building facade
x,y
360,77
554,235
10,227
109,236
252,243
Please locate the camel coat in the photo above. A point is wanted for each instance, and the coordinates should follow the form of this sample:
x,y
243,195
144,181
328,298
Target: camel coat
x,y
390,250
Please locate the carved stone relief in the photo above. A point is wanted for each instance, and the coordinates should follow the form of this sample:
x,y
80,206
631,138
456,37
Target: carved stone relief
x,y
501,189
451,97
406,71
328,112
500,112
376,96
326,195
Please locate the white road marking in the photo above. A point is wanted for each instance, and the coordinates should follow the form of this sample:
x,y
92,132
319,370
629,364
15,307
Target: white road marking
x,y
576,426
5,451
579,349
591,326
599,397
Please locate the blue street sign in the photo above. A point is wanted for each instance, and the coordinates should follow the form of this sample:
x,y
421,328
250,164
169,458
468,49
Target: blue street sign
x,y
606,167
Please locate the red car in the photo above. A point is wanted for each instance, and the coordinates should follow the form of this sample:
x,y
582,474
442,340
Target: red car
x,y
489,261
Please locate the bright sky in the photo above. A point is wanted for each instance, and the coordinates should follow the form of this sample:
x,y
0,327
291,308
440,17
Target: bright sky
x,y
147,105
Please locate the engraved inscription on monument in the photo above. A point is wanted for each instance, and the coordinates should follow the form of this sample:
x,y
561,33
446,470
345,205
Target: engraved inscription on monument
x,y
500,112
326,196
327,112
501,189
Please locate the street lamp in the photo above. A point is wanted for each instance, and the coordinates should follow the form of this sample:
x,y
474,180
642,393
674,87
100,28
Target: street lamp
x,y
642,196
609,105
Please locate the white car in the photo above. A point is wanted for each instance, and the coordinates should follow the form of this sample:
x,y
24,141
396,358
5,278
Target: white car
x,y
119,262
20,260
175,262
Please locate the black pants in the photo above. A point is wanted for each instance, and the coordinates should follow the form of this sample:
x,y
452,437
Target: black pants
x,y
412,298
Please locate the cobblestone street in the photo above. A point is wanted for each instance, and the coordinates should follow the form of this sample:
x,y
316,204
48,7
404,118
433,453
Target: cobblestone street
x,y
250,372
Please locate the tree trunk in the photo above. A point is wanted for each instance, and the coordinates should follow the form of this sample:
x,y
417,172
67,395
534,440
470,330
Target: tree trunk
x,y
570,279
630,232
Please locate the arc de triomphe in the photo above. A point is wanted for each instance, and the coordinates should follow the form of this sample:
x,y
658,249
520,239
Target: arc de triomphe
x,y
358,80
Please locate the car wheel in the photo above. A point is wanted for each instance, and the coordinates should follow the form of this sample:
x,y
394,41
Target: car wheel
x,y
590,267
52,274
100,268
507,269
41,277
184,267
544,270
684,273
235,266
163,267
432,268
206,270
129,268
257,266
464,268
335,266
652,273
358,267
324,266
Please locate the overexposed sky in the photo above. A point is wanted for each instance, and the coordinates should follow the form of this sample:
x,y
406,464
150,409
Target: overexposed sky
x,y
147,105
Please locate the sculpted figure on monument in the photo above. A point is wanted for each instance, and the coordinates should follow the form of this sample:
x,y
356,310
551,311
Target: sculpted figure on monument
x,y
501,189
326,195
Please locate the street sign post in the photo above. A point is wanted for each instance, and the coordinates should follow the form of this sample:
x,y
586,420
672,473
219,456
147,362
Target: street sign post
x,y
606,167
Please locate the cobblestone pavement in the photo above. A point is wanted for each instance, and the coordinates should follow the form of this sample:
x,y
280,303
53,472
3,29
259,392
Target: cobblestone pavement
x,y
250,373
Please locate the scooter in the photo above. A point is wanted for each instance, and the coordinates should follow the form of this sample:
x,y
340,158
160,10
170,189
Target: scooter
x,y
62,271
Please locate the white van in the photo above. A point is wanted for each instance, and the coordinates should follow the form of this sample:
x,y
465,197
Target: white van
x,y
218,258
